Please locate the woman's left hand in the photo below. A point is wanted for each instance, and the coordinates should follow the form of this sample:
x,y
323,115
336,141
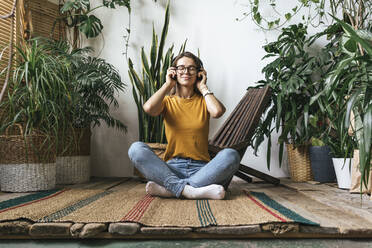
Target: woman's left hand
x,y
201,84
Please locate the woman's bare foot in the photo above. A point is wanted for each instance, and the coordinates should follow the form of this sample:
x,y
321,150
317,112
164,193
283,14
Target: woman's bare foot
x,y
156,190
213,191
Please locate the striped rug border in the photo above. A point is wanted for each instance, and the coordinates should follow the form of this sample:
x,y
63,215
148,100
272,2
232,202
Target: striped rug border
x,y
205,213
265,199
262,206
68,210
29,199
136,213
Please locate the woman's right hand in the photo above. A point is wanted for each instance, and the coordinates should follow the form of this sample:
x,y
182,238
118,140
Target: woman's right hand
x,y
171,78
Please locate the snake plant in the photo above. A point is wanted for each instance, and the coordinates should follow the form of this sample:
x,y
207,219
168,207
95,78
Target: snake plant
x,y
154,71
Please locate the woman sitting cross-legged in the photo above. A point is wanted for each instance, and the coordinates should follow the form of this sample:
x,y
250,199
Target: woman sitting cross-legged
x,y
186,105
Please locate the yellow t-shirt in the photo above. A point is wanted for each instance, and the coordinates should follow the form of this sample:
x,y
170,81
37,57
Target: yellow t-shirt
x,y
186,124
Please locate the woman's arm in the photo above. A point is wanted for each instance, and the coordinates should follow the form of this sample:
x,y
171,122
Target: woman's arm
x,y
153,106
214,106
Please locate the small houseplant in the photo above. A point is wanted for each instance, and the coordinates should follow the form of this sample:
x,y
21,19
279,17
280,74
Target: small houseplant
x,y
320,153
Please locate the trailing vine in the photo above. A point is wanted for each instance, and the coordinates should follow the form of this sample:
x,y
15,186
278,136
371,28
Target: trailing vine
x,y
355,12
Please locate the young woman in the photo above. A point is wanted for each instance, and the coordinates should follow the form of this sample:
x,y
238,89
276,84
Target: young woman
x,y
186,105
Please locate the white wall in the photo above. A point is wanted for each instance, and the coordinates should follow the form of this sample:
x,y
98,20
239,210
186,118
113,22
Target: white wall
x,y
231,51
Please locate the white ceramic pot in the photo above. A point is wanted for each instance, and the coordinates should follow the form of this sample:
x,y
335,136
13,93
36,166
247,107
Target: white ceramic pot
x,y
343,173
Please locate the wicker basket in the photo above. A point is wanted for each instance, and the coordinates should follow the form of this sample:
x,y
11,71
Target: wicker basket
x,y
299,163
73,169
73,160
158,149
27,163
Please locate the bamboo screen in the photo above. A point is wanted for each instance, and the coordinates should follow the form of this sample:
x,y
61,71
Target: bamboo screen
x,y
41,15
6,38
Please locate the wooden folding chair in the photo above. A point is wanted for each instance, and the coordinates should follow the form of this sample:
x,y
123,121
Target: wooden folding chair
x,y
238,129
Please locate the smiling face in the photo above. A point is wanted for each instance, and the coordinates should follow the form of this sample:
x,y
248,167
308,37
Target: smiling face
x,y
186,77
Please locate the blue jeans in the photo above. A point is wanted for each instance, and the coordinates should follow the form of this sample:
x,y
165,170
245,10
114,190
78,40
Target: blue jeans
x,y
177,172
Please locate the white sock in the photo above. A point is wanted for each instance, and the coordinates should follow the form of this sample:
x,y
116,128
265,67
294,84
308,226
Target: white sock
x,y
213,191
157,190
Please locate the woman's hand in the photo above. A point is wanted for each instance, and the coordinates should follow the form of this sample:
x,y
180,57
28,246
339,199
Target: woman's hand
x,y
202,84
171,78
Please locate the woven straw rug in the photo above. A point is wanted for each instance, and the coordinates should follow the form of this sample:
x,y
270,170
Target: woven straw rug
x,y
128,202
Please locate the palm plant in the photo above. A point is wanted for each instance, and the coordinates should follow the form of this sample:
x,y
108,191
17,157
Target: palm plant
x,y
38,93
151,129
92,83
56,89
38,88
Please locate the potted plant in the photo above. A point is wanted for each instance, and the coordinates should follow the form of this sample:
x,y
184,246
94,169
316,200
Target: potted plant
x,y
349,88
35,109
290,77
92,84
151,129
320,153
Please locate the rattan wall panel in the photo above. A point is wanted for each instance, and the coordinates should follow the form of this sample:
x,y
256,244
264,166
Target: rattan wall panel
x,y
43,16
6,7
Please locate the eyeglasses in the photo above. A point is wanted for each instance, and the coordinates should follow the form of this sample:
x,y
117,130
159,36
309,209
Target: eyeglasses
x,y
183,69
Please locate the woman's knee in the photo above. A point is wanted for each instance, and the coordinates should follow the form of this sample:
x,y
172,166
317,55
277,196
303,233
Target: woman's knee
x,y
136,149
233,157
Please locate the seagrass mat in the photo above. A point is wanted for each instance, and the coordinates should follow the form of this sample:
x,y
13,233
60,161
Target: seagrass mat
x,y
128,202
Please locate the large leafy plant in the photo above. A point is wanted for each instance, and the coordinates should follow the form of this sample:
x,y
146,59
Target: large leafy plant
x,y
295,75
349,85
290,77
154,71
93,84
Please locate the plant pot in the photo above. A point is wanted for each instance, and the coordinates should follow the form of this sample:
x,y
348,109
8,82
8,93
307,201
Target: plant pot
x,y
73,164
321,164
356,177
299,163
27,163
343,172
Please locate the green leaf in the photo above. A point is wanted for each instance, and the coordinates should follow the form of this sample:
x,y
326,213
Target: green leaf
x,y
257,17
68,6
145,65
355,36
91,26
367,128
153,51
268,155
306,116
349,106
163,37
350,46
288,16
